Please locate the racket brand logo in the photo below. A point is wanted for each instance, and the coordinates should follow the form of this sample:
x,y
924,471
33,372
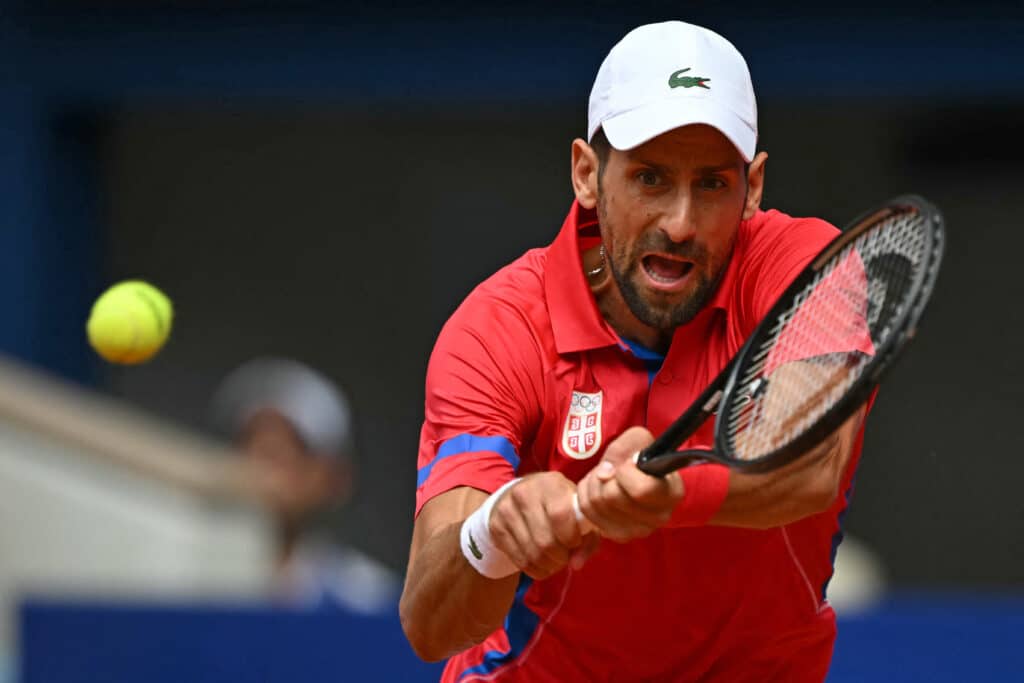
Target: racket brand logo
x,y
581,436
678,80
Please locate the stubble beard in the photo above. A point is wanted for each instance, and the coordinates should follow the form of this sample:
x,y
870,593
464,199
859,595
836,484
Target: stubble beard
x,y
625,269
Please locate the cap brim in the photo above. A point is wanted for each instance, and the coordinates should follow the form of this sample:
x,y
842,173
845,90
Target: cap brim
x,y
639,125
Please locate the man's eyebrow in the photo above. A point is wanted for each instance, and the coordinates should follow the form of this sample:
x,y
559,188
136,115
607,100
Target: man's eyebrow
x,y
718,168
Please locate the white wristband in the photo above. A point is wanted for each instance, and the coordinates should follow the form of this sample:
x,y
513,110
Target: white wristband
x,y
477,545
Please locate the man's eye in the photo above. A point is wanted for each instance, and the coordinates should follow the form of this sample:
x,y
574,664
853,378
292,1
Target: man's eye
x,y
711,183
648,178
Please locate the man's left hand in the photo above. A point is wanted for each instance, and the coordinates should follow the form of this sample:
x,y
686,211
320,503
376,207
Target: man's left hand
x,y
622,501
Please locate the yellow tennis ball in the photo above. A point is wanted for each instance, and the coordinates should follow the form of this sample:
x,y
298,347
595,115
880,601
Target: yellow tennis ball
x,y
130,322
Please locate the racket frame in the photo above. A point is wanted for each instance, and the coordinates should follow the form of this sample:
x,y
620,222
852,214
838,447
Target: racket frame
x,y
661,456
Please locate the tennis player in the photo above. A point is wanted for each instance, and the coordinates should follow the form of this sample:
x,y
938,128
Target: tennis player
x,y
559,367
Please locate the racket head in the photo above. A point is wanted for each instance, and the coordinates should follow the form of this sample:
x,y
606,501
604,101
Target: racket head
x,y
826,343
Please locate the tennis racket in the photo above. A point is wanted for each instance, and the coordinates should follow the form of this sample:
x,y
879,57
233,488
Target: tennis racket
x,y
820,351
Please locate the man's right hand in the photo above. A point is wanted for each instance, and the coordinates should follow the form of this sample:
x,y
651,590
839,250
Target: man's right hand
x,y
534,524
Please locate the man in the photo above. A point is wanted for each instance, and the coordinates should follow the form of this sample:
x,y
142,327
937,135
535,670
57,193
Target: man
x,y
294,428
558,368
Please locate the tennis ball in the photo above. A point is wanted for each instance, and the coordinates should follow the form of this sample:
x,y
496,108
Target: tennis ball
x,y
130,322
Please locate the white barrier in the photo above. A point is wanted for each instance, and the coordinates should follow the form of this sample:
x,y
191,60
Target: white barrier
x,y
99,499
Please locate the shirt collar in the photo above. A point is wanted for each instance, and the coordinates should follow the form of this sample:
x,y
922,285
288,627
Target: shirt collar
x,y
723,296
576,322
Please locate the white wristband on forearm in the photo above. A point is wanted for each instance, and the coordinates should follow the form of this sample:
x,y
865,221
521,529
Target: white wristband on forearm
x,y
477,545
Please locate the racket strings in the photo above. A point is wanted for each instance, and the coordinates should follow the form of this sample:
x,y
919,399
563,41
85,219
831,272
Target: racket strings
x,y
822,343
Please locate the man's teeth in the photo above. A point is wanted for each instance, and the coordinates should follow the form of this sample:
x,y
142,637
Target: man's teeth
x,y
684,268
662,278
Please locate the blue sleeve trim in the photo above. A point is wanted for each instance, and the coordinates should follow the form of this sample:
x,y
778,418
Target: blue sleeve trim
x,y
468,443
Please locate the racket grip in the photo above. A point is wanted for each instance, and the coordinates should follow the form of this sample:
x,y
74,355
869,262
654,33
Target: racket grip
x,y
586,526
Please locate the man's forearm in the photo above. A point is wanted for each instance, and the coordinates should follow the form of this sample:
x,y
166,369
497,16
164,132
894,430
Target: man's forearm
x,y
806,486
446,605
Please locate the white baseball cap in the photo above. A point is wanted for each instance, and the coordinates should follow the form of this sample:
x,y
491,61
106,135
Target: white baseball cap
x,y
316,407
672,74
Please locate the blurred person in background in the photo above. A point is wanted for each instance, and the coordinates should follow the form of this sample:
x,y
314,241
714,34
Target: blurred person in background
x,y
294,428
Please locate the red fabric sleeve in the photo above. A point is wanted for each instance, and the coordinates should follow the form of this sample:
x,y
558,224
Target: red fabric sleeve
x,y
777,248
482,399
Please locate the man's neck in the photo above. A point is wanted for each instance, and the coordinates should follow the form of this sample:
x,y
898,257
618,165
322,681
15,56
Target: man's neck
x,y
625,324
616,312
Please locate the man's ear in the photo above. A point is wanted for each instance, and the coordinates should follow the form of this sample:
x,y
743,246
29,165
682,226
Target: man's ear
x,y
584,173
755,185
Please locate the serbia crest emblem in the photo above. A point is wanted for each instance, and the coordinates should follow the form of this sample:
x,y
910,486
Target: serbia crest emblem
x,y
581,436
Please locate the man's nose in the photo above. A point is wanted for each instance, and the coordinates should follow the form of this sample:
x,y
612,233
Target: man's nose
x,y
679,220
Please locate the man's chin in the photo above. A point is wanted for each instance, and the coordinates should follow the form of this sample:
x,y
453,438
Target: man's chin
x,y
664,321
667,313
664,304
655,307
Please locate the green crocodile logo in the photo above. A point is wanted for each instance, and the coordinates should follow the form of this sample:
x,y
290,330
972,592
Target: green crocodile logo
x,y
473,549
678,80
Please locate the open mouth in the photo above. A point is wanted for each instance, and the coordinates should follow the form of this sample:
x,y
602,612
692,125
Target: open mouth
x,y
666,270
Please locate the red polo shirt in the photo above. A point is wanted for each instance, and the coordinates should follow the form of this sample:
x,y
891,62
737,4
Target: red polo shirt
x,y
527,376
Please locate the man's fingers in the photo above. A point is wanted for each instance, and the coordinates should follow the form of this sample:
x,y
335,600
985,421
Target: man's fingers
x,y
643,511
647,492
605,470
600,503
627,503
546,553
566,528
534,524
510,532
626,444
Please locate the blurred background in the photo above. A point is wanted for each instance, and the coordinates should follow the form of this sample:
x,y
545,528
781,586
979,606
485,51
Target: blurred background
x,y
325,182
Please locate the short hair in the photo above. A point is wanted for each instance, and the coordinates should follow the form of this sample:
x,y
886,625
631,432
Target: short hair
x,y
599,143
